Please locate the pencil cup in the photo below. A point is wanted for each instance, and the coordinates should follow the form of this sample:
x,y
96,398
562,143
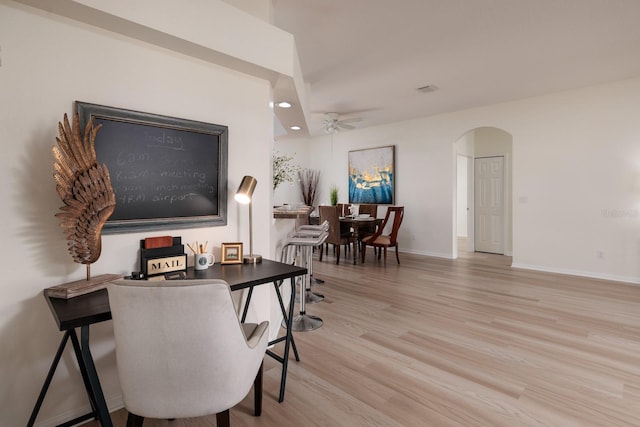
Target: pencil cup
x,y
203,261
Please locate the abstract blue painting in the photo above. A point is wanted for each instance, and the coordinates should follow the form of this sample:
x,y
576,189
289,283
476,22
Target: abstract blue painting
x,y
372,175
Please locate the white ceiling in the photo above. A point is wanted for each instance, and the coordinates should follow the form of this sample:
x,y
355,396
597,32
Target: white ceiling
x,y
366,58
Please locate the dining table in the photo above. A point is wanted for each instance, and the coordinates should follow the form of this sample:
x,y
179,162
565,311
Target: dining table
x,y
356,223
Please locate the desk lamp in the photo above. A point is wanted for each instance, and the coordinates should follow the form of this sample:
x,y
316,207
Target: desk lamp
x,y
243,195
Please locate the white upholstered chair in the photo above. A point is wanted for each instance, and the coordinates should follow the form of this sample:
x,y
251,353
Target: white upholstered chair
x,y
181,351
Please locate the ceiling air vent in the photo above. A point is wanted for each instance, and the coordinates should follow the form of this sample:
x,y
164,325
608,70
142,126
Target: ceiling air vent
x,y
428,88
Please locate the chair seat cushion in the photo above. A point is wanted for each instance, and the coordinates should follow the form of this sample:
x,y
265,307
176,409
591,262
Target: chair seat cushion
x,y
381,240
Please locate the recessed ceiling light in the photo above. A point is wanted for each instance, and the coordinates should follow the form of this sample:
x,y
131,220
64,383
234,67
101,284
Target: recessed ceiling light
x,y
284,104
295,128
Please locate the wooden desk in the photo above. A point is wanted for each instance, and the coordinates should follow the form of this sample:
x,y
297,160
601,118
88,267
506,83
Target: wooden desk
x,y
85,310
357,223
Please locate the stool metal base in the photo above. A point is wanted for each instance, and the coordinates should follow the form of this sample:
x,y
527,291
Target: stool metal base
x,y
310,297
305,322
316,280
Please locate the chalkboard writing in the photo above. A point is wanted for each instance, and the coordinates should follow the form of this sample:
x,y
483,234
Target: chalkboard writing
x,y
165,172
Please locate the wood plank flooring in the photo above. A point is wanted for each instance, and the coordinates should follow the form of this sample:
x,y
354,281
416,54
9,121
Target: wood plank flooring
x,y
466,342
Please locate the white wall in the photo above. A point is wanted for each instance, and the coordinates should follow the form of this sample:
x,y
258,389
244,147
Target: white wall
x,y
289,192
576,185
461,196
48,62
464,149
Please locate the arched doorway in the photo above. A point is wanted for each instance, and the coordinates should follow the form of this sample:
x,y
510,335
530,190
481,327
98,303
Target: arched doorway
x,y
483,203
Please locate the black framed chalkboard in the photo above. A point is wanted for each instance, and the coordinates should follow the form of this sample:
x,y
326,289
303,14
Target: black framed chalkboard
x,y
166,172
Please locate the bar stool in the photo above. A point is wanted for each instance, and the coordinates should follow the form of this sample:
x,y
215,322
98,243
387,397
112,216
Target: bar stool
x,y
304,249
312,231
291,251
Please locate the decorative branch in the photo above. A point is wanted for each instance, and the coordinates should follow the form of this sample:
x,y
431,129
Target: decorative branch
x,y
308,180
282,170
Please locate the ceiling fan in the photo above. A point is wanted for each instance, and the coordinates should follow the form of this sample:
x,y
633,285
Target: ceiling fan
x,y
333,124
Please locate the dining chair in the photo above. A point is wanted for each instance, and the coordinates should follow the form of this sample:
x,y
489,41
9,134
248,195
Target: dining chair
x,y
343,209
367,230
336,236
380,241
181,350
368,208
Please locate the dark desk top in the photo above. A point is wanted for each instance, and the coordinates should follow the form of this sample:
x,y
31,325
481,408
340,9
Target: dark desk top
x,y
94,307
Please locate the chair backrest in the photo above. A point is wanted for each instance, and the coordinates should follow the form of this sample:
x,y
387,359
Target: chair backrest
x,y
180,348
331,214
368,209
391,223
343,209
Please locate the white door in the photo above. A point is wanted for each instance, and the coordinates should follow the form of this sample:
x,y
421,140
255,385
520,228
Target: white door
x,y
489,204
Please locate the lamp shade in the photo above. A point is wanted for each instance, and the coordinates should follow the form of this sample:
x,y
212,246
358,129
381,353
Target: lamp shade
x,y
245,191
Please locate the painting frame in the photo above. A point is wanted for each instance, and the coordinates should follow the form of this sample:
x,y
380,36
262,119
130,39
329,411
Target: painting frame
x,y
185,186
231,253
372,175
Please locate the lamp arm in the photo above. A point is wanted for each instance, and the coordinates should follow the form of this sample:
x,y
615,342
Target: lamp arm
x,y
250,230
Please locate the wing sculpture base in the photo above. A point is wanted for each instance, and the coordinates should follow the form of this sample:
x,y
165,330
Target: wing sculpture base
x,y
81,287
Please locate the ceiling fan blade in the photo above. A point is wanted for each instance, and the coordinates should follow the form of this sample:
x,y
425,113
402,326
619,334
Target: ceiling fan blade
x,y
351,120
332,123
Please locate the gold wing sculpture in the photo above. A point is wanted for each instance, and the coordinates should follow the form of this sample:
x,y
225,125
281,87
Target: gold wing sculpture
x,y
85,189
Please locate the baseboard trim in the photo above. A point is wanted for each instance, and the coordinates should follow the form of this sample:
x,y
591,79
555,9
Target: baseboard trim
x,y
433,254
114,403
581,273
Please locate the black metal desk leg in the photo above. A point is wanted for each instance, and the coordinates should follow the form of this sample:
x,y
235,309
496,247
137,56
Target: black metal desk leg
x,y
285,318
287,342
245,310
94,382
47,381
83,371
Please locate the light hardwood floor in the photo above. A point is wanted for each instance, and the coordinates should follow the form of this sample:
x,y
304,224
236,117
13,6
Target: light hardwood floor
x,y
466,342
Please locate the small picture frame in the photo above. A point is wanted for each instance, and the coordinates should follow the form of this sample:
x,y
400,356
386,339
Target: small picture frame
x,y
231,253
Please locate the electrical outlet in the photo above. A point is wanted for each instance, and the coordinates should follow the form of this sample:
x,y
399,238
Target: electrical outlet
x,y
600,254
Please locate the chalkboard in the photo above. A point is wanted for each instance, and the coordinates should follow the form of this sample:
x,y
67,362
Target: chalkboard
x,y
165,172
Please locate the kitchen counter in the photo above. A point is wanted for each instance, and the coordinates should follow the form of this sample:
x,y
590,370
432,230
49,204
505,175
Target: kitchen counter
x,y
287,211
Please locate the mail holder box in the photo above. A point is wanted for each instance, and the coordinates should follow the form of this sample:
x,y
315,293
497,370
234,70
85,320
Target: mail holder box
x,y
163,260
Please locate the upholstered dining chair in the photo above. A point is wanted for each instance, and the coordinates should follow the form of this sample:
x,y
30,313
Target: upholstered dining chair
x,y
181,351
336,237
380,241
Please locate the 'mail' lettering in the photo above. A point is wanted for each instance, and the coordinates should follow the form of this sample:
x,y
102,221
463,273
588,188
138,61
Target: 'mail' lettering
x,y
165,265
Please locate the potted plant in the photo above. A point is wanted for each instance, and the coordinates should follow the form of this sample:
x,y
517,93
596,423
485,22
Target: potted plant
x,y
333,195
